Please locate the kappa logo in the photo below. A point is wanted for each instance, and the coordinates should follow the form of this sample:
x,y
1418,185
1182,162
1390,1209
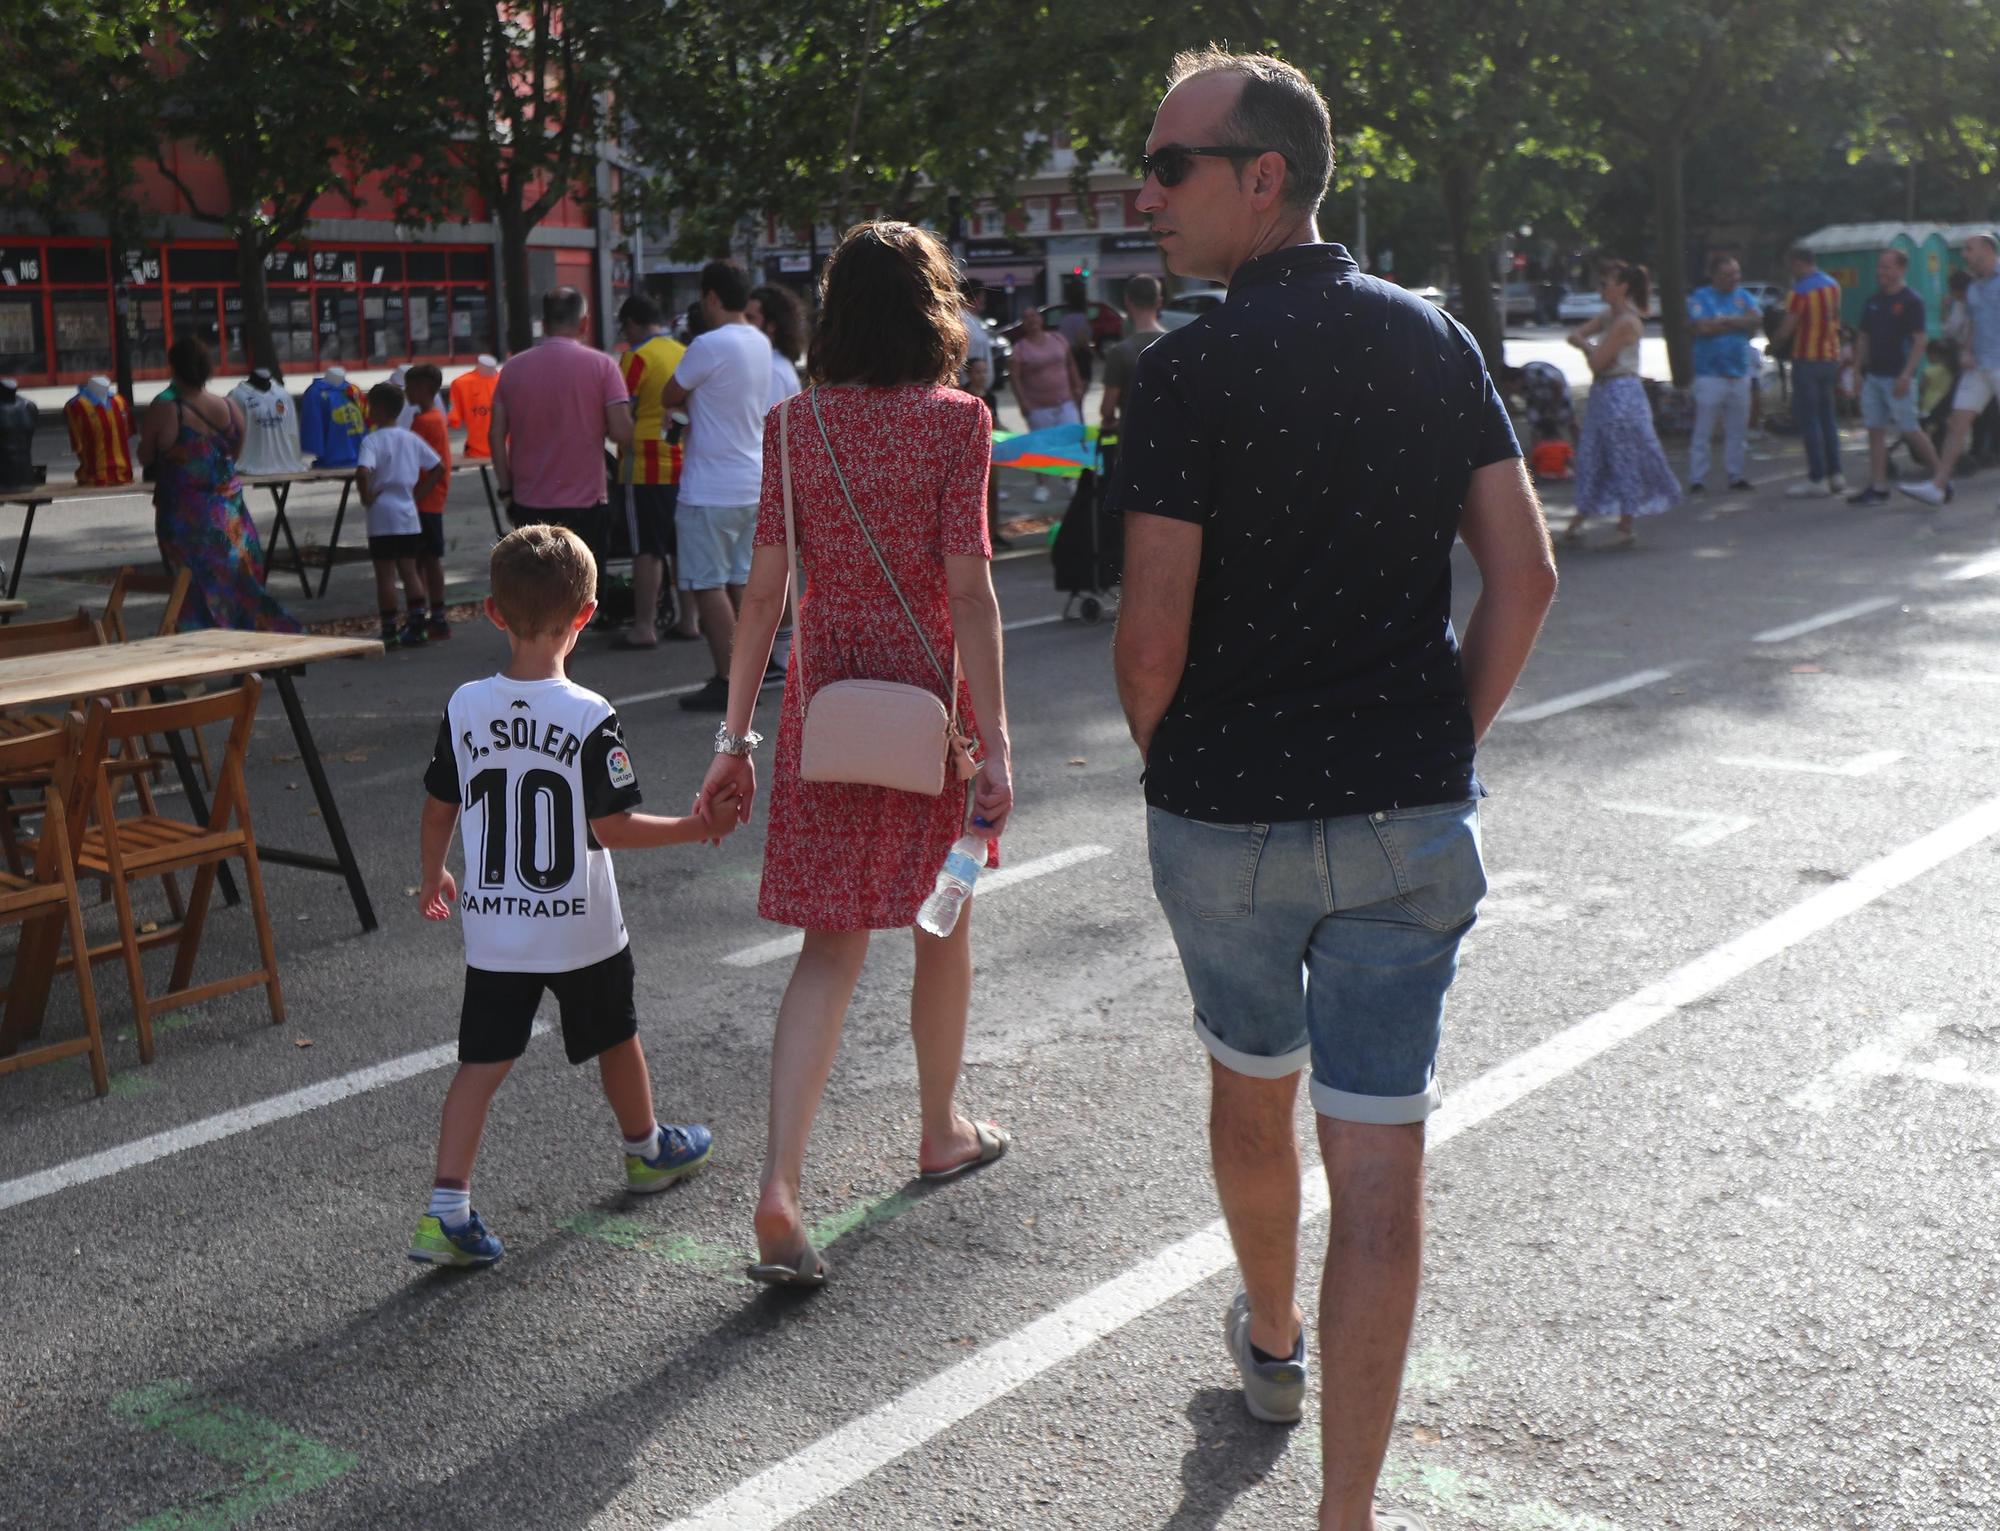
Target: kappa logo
x,y
618,765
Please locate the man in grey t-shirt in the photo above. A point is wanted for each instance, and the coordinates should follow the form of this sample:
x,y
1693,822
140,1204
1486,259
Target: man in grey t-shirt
x,y
1142,328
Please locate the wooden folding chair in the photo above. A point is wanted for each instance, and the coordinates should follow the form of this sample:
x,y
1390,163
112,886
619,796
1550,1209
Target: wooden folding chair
x,y
131,581
23,640
33,902
125,851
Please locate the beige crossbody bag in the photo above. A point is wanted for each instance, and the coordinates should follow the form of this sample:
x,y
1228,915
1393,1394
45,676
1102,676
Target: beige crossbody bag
x,y
876,733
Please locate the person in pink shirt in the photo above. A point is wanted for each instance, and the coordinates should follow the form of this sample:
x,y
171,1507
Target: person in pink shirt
x,y
555,407
1047,386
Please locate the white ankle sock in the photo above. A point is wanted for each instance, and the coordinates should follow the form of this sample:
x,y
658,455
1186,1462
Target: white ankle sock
x,y
647,1147
451,1205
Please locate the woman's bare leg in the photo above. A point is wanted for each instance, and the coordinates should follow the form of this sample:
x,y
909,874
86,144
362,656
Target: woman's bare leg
x,y
940,1001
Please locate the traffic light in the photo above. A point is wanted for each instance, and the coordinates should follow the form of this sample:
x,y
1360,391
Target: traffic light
x,y
1082,271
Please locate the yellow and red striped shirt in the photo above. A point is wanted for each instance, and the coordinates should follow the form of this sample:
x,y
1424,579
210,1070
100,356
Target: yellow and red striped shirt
x,y
102,437
1815,303
647,370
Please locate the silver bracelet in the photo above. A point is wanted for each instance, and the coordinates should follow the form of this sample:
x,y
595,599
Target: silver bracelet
x,y
727,743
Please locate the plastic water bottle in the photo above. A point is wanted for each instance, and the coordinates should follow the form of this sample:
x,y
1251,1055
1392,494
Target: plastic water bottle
x,y
955,880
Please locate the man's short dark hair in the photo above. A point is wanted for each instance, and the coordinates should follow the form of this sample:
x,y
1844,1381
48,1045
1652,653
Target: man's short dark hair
x,y
1142,292
1900,257
972,290
1279,109
1802,255
562,309
424,375
1720,259
730,286
639,309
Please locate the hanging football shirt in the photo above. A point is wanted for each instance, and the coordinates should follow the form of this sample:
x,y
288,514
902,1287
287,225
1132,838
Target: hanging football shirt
x,y
472,410
332,421
100,431
271,437
531,763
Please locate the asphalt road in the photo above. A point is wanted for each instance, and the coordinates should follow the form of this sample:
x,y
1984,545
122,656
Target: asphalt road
x,y
1711,1245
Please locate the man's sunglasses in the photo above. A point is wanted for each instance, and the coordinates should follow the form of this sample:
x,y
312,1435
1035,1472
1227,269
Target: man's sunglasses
x,y
1170,165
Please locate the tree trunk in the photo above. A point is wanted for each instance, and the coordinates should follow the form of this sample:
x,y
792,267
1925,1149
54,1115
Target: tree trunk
x,y
1459,188
1670,266
258,344
514,276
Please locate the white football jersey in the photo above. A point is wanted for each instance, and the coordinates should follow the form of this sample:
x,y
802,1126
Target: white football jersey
x,y
271,441
530,763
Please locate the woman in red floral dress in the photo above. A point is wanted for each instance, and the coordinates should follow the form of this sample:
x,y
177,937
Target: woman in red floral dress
x,y
841,860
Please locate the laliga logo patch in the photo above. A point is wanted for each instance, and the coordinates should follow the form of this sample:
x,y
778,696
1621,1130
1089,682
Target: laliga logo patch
x,y
619,765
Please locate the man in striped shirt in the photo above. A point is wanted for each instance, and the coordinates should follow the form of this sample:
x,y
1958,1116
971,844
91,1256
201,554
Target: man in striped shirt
x,y
1812,325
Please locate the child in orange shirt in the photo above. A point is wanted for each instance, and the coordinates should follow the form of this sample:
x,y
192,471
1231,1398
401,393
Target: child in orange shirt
x,y
424,382
1551,457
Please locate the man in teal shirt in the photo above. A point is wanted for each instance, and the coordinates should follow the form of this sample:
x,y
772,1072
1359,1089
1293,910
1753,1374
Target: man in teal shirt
x,y
1723,317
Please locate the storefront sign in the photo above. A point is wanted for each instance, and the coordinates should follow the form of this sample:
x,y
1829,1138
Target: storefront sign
x,y
993,250
1114,244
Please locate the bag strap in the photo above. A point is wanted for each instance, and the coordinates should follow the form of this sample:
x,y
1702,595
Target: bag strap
x,y
792,539
812,398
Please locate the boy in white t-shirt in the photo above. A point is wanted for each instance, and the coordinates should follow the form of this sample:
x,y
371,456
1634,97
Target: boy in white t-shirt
x,y
396,469
539,767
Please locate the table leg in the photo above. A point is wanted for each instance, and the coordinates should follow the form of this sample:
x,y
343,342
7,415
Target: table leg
x,y
21,550
281,495
197,800
492,499
329,811
333,542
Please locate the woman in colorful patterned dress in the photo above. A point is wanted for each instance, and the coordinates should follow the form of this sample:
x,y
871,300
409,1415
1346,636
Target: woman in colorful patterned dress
x,y
843,860
1620,468
189,439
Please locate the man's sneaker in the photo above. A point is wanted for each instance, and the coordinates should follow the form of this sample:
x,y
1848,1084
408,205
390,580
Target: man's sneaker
x,y
435,1244
1835,484
1387,1519
1736,485
683,1150
712,697
1273,1391
1811,489
1697,487
438,629
1927,492
411,637
1869,496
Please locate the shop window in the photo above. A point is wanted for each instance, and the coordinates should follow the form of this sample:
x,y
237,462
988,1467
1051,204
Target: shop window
x,y
471,324
77,263
338,316
142,267
196,311
292,324
1038,215
148,315
379,266
426,265
471,265
201,265
337,265
1111,212
23,347
388,337
287,266
430,322
83,331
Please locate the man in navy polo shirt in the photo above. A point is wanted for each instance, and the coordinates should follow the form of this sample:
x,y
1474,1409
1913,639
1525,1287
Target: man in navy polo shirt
x,y
1890,353
1296,465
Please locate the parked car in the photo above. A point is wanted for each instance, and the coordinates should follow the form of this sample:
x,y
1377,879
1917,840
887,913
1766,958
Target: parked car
x,y
1429,294
1107,324
1516,302
1576,307
1190,304
1769,295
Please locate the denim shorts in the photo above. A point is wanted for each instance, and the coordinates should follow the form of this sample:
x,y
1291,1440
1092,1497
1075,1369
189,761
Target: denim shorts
x,y
1881,410
1325,941
715,544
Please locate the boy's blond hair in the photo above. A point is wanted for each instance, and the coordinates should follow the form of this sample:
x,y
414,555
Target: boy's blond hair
x,y
542,577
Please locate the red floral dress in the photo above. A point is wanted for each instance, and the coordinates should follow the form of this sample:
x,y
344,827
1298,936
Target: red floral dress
x,y
838,856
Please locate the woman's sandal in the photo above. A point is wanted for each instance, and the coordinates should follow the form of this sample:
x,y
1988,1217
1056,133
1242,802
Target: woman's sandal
x,y
810,1271
993,1143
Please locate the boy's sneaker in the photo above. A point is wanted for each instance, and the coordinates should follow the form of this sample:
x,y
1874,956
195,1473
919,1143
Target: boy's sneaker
x,y
1273,1391
1738,484
411,637
438,628
1811,489
683,1150
391,638
435,1244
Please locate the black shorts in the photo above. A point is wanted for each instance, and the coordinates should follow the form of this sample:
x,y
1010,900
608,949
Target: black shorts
x,y
499,1011
652,511
432,532
401,545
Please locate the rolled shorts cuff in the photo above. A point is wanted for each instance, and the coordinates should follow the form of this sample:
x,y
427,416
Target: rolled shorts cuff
x,y
1376,1110
1251,1065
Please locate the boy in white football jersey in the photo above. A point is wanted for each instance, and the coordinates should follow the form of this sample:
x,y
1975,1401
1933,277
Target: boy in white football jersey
x,y
540,770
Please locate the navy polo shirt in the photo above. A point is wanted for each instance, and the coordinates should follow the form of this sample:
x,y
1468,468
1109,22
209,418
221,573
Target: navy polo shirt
x,y
1321,427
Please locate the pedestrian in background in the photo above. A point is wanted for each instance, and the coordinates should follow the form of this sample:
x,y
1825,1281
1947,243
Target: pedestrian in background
x,y
1722,317
976,378
887,487
1812,330
556,405
1545,398
724,381
778,312
1075,329
1889,354
1979,364
648,466
1142,328
1620,468
1048,388
1306,718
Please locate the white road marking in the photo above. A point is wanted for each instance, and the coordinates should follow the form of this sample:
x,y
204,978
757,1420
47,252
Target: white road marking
x,y
1875,1060
989,882
227,1124
837,1461
1854,765
1826,619
1583,698
1978,568
1709,827
1962,677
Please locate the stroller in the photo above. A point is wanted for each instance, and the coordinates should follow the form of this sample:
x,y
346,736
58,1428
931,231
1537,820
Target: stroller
x,y
1089,550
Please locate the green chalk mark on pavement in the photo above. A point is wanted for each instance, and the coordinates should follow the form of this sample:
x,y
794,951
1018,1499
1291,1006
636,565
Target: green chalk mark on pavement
x,y
277,1464
642,1237
867,1214
1436,1370
133,1084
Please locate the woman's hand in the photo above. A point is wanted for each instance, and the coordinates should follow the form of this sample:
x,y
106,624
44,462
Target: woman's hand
x,y
727,773
992,797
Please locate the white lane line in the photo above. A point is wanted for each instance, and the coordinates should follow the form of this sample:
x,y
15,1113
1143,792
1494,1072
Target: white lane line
x,y
1874,1060
1854,765
1583,698
989,882
1978,568
227,1124
1826,619
835,1462
1962,678
1709,829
